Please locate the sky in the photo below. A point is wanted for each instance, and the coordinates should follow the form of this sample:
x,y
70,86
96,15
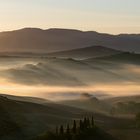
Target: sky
x,y
110,16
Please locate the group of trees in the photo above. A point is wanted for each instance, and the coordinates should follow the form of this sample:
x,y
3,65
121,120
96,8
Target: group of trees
x,y
76,127
79,130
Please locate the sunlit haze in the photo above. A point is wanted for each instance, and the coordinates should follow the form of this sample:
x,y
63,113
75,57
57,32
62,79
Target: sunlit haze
x,y
111,16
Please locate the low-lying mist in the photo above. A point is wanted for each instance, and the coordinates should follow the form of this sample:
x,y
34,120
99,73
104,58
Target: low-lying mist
x,y
58,79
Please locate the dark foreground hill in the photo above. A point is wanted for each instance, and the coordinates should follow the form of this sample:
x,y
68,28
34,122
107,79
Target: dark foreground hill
x,y
25,119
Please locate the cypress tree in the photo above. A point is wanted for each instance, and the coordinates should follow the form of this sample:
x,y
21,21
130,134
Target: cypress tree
x,y
68,129
88,123
68,135
61,130
85,122
74,126
81,125
92,122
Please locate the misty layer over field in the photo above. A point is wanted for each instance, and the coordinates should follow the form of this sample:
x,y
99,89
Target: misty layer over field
x,y
64,78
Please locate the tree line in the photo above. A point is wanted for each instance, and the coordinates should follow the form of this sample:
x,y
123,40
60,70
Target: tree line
x,y
78,130
80,125
84,129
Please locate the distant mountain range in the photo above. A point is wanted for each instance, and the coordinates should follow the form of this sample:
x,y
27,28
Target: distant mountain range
x,y
52,40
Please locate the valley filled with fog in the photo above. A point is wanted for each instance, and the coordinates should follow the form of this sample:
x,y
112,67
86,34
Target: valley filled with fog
x,y
69,70
66,78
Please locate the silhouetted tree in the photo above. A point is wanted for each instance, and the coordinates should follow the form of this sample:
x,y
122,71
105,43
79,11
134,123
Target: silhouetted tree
x,y
68,129
74,126
88,123
84,130
68,134
61,130
85,123
92,121
81,125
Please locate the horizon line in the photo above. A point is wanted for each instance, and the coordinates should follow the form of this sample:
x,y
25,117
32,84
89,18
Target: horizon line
x,y
74,29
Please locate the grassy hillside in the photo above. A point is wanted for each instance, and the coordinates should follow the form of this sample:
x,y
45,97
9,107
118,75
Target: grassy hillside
x,y
28,119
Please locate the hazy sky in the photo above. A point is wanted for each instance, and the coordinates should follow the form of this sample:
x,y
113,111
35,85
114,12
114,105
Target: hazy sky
x,y
112,16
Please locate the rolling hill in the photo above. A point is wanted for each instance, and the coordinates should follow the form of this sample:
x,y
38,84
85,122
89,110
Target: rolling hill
x,y
125,105
84,53
26,99
44,41
90,103
124,57
26,119
124,99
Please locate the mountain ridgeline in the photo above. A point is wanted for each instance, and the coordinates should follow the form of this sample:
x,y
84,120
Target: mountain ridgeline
x,y
52,40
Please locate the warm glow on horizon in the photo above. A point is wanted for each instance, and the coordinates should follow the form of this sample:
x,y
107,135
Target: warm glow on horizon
x,y
110,16
56,92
